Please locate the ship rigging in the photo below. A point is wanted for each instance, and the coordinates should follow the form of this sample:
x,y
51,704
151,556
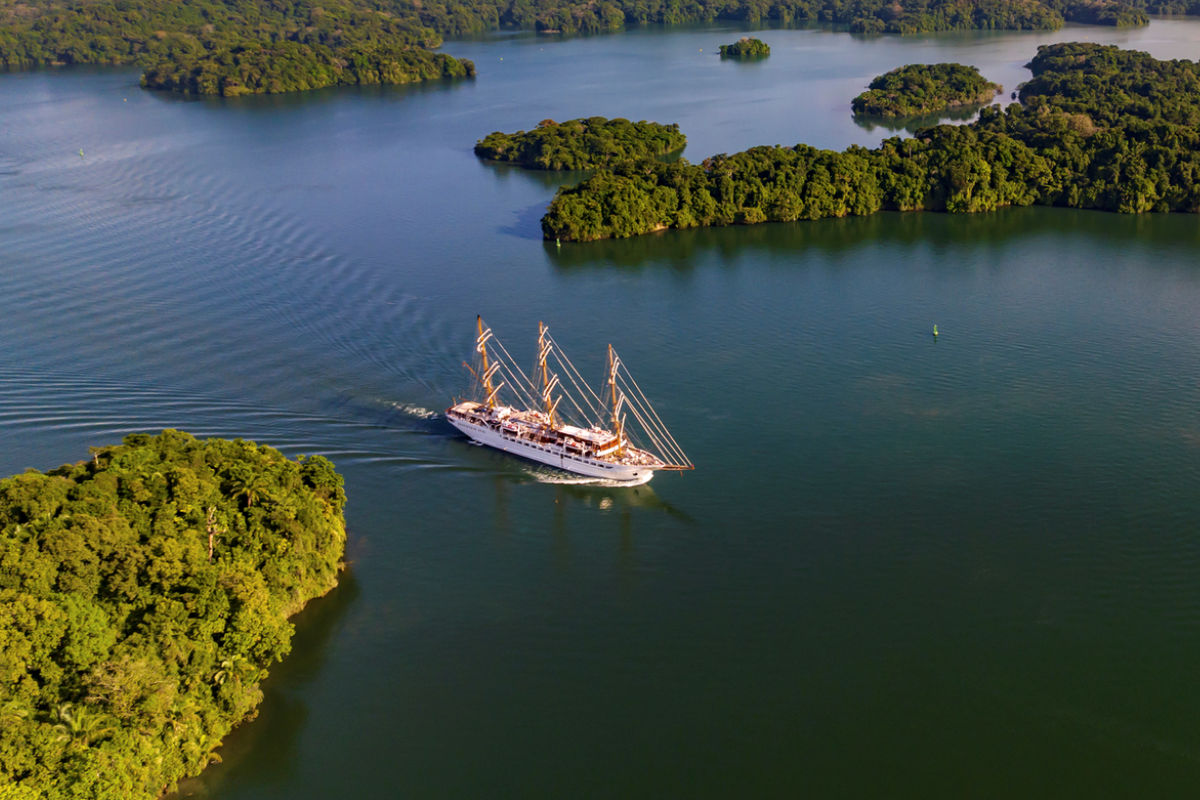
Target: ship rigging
x,y
591,435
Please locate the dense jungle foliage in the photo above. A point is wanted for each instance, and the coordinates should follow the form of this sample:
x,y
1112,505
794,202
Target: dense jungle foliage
x,y
746,47
231,47
581,143
240,46
143,595
917,89
459,17
1098,127
292,66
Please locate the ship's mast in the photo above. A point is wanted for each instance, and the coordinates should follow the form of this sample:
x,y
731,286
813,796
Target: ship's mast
x,y
618,398
488,370
549,381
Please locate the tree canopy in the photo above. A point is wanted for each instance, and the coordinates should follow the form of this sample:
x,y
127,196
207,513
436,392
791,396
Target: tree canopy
x,y
459,17
1098,127
229,47
144,593
746,47
585,143
239,46
917,89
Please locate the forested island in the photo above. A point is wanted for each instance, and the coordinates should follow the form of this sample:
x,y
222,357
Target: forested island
x,y
144,593
231,47
917,89
581,143
1097,127
746,47
289,66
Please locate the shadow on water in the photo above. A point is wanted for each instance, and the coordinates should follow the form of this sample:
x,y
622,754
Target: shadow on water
x,y
527,223
272,736
573,512
627,509
619,499
957,116
552,179
682,249
543,178
570,491
101,70
745,63
575,509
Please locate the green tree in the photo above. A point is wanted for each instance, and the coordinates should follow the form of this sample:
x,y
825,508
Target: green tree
x,y
1097,127
126,651
746,48
580,144
920,89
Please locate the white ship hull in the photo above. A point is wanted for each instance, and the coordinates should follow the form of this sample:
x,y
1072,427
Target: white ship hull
x,y
554,455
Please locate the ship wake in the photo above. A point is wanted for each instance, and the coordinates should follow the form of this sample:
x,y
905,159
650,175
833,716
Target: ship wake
x,y
558,478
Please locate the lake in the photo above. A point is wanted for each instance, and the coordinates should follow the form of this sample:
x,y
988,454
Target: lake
x,y
903,567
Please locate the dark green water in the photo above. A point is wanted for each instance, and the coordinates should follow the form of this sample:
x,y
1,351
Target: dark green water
x,y
902,568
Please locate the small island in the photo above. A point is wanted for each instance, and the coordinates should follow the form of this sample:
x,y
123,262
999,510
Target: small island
x,y
144,593
588,143
746,48
920,89
1097,127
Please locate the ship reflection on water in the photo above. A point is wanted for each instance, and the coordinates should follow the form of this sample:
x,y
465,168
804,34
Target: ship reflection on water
x,y
583,498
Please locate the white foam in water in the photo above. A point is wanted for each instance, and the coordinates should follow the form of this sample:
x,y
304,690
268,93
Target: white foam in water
x,y
415,411
569,479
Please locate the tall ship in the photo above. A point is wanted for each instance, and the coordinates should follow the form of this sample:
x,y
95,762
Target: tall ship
x,y
591,435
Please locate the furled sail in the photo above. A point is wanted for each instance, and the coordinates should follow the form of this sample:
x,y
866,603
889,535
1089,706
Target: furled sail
x,y
621,422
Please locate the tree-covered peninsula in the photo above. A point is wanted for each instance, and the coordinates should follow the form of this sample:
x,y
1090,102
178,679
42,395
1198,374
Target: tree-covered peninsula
x,y
229,47
918,89
1098,127
144,593
240,46
746,47
455,18
586,143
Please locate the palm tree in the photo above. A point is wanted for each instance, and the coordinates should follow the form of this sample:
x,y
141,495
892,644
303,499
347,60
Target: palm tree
x,y
250,486
13,709
227,670
79,727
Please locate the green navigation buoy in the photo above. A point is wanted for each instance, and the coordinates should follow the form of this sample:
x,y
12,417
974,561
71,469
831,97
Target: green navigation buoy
x,y
558,242
935,330
81,152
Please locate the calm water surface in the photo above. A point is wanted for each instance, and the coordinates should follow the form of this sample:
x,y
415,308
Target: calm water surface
x,y
902,568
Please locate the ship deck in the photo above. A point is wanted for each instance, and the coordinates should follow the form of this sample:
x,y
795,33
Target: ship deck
x,y
536,429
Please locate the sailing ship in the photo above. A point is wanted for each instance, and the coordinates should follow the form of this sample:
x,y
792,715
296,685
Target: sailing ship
x,y
589,436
